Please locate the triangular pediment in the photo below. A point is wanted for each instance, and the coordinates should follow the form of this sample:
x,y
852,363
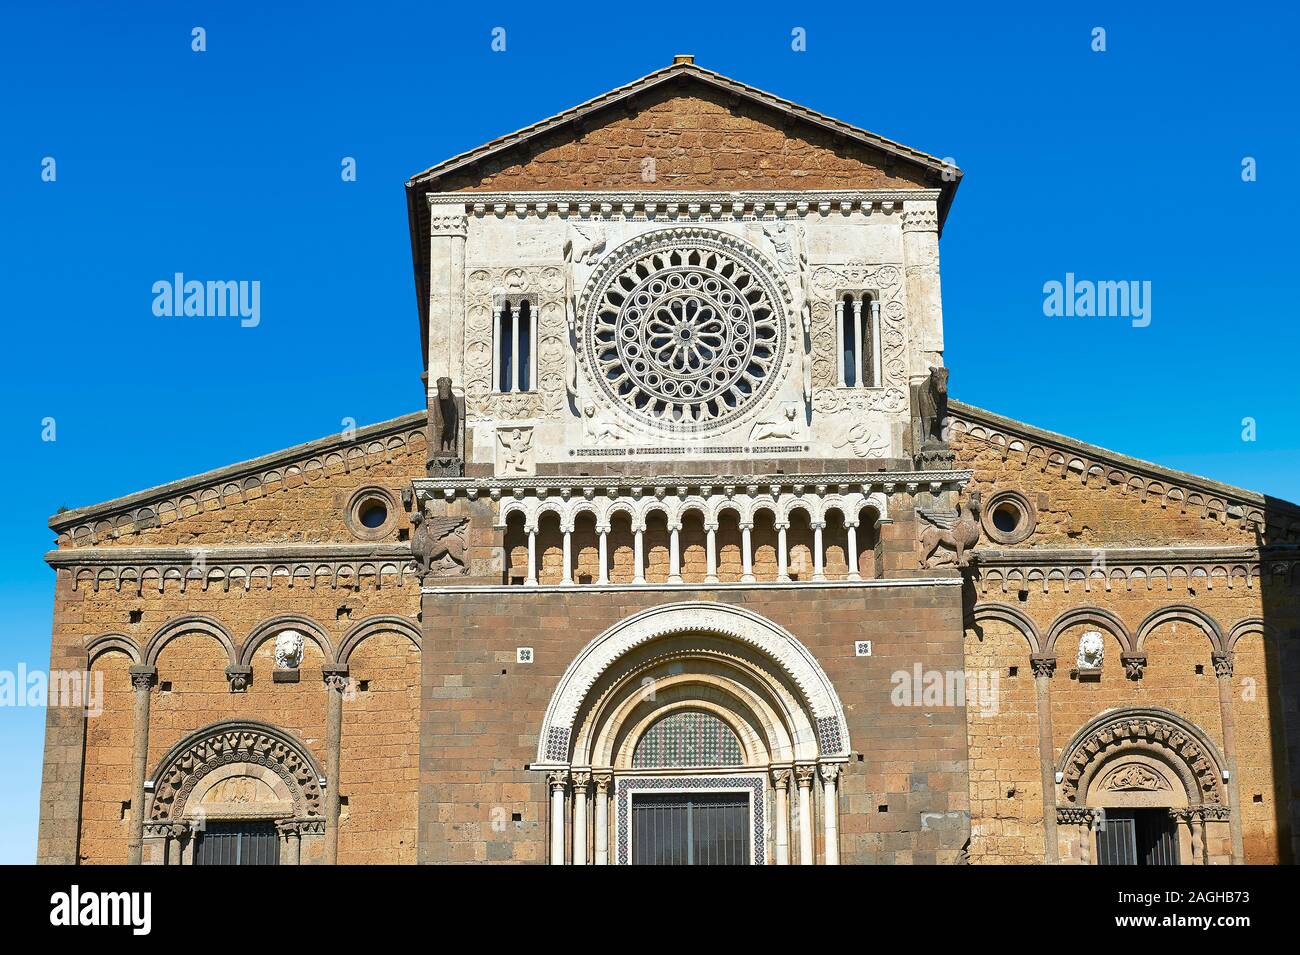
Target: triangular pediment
x,y
686,130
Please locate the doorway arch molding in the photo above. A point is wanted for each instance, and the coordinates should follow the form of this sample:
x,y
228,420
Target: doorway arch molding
x,y
774,643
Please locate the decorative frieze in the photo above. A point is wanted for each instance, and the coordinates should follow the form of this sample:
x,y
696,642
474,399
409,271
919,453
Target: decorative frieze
x,y
674,206
264,567
241,483
1127,569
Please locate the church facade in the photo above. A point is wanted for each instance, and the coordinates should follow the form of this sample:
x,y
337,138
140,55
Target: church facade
x,y
689,559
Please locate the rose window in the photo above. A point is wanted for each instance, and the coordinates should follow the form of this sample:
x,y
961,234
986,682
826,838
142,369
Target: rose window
x,y
685,336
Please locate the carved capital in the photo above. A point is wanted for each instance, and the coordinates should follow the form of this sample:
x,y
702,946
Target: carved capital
x,y
603,782
581,781
558,779
1042,665
830,772
143,677
335,677
1222,664
781,778
804,775
1075,816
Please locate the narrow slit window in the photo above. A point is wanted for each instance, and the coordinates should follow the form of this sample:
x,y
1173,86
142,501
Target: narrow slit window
x,y
516,347
859,336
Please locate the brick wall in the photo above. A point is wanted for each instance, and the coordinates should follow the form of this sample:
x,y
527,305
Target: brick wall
x,y
905,800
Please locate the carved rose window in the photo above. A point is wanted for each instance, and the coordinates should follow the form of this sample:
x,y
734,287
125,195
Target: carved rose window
x,y
685,335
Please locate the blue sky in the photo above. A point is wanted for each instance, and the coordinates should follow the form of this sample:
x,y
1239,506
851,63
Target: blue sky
x,y
1122,165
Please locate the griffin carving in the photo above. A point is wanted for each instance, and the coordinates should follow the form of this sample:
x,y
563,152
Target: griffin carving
x,y
960,531
441,541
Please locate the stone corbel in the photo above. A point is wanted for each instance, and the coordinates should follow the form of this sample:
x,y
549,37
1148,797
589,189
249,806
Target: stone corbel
x,y
1134,664
239,677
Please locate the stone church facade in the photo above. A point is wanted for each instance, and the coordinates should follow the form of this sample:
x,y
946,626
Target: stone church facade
x,y
689,558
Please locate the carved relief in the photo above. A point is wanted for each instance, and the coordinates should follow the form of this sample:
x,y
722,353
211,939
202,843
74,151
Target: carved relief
x,y
545,288
439,545
235,743
886,280
1134,777
1092,651
515,452
785,426
289,645
956,532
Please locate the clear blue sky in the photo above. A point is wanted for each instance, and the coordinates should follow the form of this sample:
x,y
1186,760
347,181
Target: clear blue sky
x,y
225,164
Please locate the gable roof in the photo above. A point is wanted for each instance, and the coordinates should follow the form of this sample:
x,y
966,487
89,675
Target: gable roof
x,y
684,73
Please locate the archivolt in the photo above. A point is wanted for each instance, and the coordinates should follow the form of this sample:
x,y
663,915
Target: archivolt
x,y
177,628
733,652
1011,615
1181,613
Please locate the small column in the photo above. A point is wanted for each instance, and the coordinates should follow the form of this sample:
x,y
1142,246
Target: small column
x,y
291,840
831,812
819,570
782,554
602,781
580,781
336,681
839,342
604,555
1227,717
804,776
711,553
638,556
515,352
558,780
852,555
142,678
674,554
1044,667
496,348
859,317
781,786
534,317
567,577
875,344
746,553
531,580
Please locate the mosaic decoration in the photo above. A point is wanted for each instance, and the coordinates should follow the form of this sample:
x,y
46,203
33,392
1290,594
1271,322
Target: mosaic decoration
x,y
687,739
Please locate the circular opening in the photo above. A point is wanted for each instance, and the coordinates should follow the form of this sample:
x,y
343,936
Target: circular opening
x,y
1006,517
373,513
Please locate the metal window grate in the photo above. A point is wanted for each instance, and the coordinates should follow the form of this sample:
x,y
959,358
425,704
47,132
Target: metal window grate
x,y
238,843
690,828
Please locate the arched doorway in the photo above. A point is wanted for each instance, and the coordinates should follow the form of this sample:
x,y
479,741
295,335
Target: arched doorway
x,y
1142,786
237,792
697,733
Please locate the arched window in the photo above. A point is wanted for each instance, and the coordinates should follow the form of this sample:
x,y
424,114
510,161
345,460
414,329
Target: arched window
x,y
858,316
516,346
687,739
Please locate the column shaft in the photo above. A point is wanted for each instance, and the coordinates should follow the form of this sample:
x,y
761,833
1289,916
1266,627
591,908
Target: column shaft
x,y
567,577
602,820
557,783
782,554
604,557
711,555
805,775
746,553
1043,668
579,818
335,682
638,556
1223,670
531,580
831,812
819,563
142,678
674,555
852,555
